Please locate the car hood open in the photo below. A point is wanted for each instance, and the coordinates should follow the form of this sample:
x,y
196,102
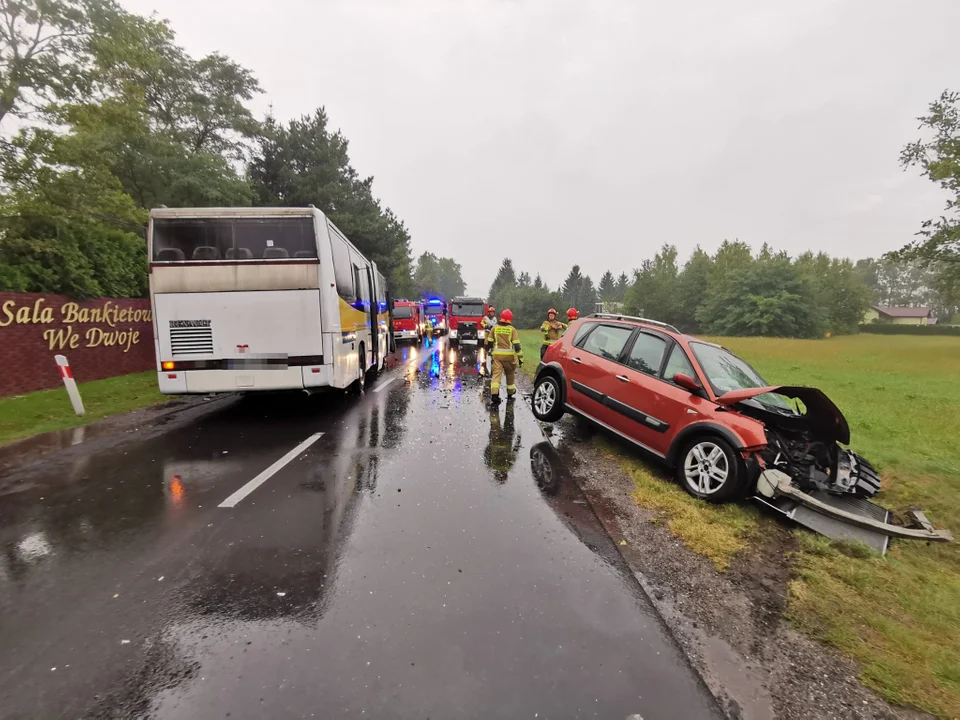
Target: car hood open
x,y
822,419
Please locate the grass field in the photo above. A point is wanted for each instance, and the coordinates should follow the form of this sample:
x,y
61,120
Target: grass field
x,y
46,410
899,616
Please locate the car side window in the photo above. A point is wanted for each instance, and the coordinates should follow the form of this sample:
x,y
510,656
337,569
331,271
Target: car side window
x,y
678,363
582,332
647,354
607,341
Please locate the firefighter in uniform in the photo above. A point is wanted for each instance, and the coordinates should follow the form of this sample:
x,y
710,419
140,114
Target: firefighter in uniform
x,y
486,324
504,344
503,446
552,329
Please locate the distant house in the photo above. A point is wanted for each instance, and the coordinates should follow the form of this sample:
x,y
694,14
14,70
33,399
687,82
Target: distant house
x,y
899,315
608,306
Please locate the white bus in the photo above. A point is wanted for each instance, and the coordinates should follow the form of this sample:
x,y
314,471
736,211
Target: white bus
x,y
249,299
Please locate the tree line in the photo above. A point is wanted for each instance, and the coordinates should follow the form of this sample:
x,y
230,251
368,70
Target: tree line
x,y
112,117
529,299
734,291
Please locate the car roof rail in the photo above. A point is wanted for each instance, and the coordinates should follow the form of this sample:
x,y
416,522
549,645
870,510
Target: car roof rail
x,y
618,316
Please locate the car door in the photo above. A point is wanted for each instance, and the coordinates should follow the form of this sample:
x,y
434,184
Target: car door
x,y
677,405
634,394
591,366
658,407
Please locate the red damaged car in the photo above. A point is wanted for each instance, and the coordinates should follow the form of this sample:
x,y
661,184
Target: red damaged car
x,y
700,408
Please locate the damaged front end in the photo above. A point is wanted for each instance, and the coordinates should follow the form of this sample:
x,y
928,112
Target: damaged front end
x,y
807,475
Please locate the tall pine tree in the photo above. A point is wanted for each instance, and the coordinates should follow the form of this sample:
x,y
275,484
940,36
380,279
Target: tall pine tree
x,y
503,283
608,287
623,284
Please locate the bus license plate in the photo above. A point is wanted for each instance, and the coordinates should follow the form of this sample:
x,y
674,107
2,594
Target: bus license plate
x,y
258,362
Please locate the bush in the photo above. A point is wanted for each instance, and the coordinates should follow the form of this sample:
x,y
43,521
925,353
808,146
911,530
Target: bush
x,y
878,329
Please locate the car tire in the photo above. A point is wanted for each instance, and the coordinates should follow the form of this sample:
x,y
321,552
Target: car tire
x,y
547,401
709,468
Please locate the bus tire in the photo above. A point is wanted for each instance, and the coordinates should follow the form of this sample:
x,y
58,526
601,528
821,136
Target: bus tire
x,y
361,382
373,372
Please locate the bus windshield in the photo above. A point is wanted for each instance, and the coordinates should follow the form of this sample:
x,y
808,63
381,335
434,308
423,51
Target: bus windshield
x,y
467,309
242,238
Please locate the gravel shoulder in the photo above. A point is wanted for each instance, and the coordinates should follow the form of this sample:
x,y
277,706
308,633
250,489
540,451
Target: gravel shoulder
x,y
730,624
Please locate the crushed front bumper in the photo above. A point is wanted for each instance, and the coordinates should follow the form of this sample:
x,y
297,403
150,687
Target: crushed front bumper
x,y
841,517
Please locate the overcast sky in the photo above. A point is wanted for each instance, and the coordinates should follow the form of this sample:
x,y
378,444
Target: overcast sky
x,y
562,131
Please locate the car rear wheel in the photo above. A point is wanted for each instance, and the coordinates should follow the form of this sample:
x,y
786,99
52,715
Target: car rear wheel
x,y
547,406
711,469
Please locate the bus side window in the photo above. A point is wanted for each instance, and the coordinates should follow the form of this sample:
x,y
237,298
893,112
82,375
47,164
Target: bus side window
x,y
342,267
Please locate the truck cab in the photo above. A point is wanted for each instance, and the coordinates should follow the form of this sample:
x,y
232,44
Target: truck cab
x,y
437,316
465,316
408,321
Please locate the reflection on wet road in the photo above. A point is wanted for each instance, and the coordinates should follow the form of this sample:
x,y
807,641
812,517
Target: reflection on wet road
x,y
423,556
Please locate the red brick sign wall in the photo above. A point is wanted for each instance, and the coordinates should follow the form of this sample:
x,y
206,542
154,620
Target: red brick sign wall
x,y
101,338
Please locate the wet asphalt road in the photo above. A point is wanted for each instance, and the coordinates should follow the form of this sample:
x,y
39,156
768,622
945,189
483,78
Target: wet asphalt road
x,y
423,558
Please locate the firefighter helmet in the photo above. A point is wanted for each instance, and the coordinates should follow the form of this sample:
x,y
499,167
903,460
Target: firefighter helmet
x,y
552,310
506,316
572,314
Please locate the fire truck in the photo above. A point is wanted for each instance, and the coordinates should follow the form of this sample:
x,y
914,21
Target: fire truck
x,y
465,316
408,321
436,310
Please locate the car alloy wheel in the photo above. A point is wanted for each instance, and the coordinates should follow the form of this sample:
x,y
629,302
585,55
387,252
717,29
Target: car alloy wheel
x,y
547,401
545,398
706,468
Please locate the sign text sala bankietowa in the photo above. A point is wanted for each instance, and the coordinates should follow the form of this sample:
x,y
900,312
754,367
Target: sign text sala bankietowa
x,y
64,337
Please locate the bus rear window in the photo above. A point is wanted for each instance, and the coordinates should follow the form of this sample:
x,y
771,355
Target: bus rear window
x,y
213,239
402,312
467,310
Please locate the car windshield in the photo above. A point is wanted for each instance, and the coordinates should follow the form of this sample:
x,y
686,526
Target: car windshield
x,y
726,372
467,309
402,312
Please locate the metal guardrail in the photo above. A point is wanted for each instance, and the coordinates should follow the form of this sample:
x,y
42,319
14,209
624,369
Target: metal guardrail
x,y
617,316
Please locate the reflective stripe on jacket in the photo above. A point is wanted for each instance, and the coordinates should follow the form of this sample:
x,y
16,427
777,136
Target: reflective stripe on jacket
x,y
504,340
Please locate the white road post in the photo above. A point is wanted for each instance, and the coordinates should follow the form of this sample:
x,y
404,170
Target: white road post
x,y
70,384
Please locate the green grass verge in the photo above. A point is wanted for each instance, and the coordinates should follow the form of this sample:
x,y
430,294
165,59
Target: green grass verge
x,y
530,340
899,616
717,532
46,410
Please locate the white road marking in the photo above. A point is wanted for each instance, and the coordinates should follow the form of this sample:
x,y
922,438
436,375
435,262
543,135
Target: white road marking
x,y
416,360
260,479
383,385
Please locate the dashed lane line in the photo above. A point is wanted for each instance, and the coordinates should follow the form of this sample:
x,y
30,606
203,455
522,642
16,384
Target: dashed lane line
x,y
260,479
384,385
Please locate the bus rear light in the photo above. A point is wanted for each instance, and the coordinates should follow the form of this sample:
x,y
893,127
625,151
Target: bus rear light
x,y
315,371
168,365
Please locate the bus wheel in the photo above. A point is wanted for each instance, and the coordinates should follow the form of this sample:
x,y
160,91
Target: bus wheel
x,y
361,382
374,372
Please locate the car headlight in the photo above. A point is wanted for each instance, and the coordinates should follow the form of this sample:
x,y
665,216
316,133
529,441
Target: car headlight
x,y
481,334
